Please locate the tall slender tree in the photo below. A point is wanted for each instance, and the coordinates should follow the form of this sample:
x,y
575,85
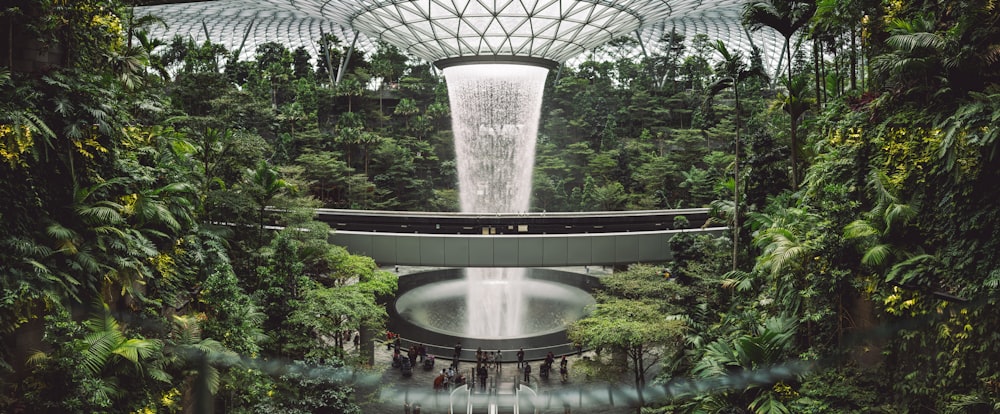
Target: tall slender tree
x,y
786,17
731,71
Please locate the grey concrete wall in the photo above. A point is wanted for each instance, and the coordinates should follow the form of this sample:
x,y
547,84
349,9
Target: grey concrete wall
x,y
512,250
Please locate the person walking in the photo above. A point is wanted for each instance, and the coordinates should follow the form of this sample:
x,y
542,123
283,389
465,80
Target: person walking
x,y
564,369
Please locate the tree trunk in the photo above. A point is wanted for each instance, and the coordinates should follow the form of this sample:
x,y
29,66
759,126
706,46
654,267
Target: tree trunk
x,y
640,381
736,182
817,62
10,43
794,140
854,61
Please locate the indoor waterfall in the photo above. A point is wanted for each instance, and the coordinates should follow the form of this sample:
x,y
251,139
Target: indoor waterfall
x,y
495,110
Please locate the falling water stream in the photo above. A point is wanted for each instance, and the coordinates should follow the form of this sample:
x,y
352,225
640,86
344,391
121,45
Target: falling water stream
x,y
495,110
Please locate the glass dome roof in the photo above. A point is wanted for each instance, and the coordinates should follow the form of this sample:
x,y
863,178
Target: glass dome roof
x,y
555,30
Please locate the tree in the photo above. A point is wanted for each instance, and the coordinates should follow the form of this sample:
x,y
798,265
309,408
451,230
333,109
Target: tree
x,y
264,183
194,362
233,317
329,312
929,63
732,70
636,328
388,64
786,17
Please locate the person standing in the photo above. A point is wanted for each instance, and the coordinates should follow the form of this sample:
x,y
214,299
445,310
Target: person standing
x,y
498,360
527,373
458,352
564,369
412,354
483,374
520,357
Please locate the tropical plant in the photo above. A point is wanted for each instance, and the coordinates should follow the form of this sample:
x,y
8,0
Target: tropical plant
x,y
194,362
748,370
95,366
731,71
786,17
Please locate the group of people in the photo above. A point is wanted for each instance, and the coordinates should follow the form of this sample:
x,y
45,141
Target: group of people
x,y
491,360
448,378
486,361
416,354
546,367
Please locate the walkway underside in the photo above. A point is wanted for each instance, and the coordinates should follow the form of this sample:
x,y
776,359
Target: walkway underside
x,y
513,250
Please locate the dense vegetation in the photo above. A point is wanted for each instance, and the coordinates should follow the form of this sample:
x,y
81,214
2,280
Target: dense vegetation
x,y
862,275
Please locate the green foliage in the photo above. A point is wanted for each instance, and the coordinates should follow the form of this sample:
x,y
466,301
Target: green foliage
x,y
642,282
307,387
95,366
329,312
233,318
623,325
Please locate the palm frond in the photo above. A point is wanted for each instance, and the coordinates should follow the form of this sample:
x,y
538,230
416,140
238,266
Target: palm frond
x,y
858,229
104,212
36,358
898,213
100,346
136,349
917,42
921,266
876,255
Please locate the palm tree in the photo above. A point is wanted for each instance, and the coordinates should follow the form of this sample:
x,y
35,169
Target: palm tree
x,y
925,61
786,17
266,184
350,88
794,102
107,342
98,245
732,71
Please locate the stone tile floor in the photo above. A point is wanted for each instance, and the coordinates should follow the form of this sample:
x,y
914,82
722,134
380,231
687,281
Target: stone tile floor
x,y
576,395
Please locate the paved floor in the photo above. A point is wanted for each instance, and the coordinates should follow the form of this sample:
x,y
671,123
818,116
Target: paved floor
x,y
552,395
576,395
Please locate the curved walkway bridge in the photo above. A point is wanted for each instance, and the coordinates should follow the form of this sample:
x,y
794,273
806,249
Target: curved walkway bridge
x,y
513,239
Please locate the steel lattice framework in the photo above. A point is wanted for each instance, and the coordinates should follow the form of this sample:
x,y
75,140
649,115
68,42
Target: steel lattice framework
x,y
434,30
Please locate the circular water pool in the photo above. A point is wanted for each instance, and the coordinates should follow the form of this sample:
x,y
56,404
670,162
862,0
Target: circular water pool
x,y
434,308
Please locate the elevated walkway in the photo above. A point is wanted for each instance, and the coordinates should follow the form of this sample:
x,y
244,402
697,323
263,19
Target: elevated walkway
x,y
547,250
